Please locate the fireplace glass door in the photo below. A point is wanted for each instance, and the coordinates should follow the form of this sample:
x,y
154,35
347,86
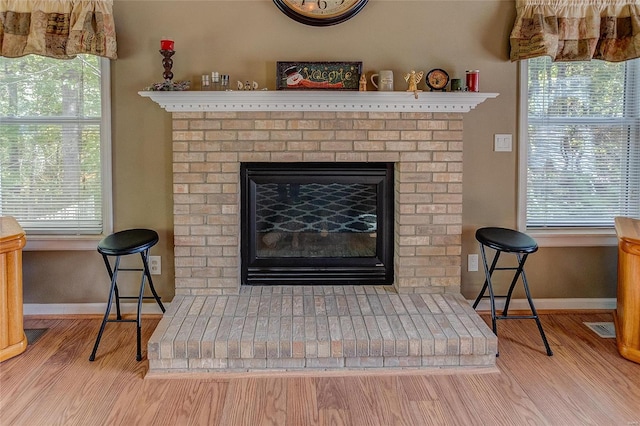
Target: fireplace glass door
x,y
317,223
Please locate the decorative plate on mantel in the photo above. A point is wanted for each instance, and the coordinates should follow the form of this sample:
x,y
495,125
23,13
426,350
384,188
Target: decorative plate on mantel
x,y
169,86
332,101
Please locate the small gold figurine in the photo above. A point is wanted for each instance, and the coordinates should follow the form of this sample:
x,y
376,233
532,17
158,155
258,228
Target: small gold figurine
x,y
413,78
363,83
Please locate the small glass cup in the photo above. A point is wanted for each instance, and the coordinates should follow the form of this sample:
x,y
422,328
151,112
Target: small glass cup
x,y
205,82
224,82
215,81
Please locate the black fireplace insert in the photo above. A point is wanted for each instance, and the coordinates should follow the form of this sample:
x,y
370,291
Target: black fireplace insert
x,y
317,223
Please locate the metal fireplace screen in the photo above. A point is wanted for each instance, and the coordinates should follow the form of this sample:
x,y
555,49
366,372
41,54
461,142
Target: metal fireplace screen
x,y
317,223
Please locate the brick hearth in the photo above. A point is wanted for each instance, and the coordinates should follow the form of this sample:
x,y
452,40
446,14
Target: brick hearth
x,y
422,320
319,328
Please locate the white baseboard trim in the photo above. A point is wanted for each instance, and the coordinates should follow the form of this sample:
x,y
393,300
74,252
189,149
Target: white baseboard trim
x,y
86,308
153,308
552,304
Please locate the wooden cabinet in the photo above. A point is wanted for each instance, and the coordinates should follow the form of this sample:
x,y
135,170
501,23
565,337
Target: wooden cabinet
x,y
627,316
12,338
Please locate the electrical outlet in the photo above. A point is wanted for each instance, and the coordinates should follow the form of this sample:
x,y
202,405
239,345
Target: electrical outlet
x,y
472,262
155,265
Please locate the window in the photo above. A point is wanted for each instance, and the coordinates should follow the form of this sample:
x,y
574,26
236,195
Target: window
x,y
580,152
55,145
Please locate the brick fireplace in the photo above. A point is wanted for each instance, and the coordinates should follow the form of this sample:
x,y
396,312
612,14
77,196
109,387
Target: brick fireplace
x,y
214,133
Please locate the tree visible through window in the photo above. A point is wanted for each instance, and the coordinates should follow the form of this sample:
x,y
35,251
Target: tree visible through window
x,y
50,139
583,143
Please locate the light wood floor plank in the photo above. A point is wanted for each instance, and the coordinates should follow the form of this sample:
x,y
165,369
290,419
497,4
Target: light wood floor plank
x,y
425,406
500,400
375,400
333,407
208,404
302,401
456,408
255,401
585,382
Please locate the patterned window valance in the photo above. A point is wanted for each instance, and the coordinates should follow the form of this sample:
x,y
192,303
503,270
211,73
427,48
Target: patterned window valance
x,y
57,28
577,30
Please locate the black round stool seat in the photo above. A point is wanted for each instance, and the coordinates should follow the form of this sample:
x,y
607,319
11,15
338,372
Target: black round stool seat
x,y
506,240
130,241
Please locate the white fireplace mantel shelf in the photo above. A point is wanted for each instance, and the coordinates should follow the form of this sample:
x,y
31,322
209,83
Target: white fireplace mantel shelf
x,y
347,101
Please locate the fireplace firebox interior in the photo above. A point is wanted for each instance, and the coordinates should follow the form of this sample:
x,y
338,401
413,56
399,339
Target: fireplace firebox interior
x,y
317,223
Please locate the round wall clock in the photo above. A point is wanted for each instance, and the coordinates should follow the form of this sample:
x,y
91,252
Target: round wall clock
x,y
437,79
320,12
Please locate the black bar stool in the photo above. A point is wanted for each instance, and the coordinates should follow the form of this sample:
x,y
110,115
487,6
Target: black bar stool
x,y
123,243
522,245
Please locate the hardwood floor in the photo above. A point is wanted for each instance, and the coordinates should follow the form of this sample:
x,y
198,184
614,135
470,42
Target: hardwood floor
x,y
585,382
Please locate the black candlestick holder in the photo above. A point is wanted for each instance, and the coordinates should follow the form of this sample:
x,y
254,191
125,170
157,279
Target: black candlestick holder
x,y
167,63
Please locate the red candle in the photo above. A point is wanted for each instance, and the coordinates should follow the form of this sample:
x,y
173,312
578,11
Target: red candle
x,y
166,44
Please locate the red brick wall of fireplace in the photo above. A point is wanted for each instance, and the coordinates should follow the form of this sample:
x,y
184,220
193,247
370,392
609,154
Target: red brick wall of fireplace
x,y
208,148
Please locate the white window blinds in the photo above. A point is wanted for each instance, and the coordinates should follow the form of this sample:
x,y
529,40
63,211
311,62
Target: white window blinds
x,y
50,124
583,147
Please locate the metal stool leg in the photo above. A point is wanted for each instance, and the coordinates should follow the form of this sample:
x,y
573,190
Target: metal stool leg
x,y
486,280
535,314
481,294
111,272
146,275
145,257
139,317
488,273
519,270
112,291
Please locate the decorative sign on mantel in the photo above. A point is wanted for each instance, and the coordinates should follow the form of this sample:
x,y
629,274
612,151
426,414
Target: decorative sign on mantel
x,y
318,75
333,101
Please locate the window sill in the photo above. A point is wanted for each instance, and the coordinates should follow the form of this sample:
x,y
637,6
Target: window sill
x,y
574,237
62,242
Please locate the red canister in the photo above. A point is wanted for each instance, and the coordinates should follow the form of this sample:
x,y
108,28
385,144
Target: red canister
x,y
473,80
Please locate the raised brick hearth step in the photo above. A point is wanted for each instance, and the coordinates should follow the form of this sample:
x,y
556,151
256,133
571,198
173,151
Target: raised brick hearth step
x,y
319,328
